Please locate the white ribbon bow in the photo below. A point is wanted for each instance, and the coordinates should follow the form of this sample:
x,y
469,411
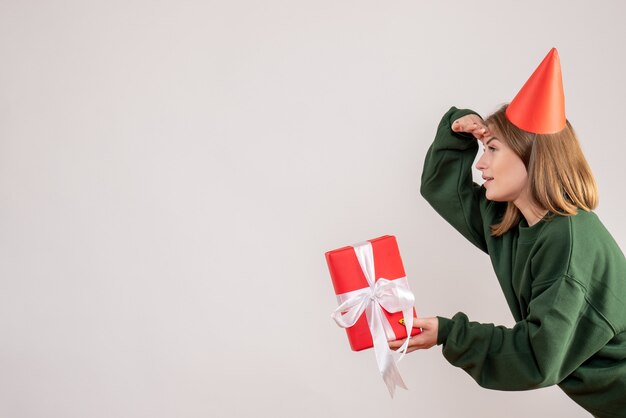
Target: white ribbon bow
x,y
394,296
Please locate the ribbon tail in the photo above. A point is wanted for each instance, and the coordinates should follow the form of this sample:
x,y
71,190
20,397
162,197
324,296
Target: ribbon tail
x,y
408,323
392,378
384,358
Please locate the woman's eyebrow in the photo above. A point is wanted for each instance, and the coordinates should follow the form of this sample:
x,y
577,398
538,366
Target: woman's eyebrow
x,y
491,140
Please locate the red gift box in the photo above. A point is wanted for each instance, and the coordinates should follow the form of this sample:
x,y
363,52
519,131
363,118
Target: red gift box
x,y
347,275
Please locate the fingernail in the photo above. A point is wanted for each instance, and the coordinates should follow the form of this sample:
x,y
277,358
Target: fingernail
x,y
401,321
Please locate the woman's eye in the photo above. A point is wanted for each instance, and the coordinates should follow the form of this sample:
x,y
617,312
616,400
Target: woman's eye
x,y
491,148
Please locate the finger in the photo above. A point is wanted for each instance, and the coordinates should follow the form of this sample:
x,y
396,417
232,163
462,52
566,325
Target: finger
x,y
415,348
471,127
479,131
467,123
474,120
396,343
477,126
417,322
465,126
414,344
422,341
478,134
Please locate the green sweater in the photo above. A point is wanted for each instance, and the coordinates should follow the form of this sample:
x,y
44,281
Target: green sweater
x,y
564,280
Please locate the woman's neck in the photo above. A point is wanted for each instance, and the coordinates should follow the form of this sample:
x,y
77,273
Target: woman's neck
x,y
533,213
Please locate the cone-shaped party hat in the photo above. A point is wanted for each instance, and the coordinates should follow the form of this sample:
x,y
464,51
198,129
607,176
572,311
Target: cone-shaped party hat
x,y
539,107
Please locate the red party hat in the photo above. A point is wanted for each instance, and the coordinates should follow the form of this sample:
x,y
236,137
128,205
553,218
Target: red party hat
x,y
539,107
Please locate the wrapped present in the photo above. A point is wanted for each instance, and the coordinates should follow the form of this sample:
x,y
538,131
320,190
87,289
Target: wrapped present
x,y
373,295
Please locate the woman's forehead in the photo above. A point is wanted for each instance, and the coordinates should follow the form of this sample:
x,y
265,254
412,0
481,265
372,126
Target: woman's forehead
x,y
493,134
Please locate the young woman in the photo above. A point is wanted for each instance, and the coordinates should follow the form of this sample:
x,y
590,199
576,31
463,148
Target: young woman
x,y
562,274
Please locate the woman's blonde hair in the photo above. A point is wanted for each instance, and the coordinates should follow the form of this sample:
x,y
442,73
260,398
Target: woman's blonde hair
x,y
559,176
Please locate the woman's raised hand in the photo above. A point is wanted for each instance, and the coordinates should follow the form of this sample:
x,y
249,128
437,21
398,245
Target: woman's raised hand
x,y
472,124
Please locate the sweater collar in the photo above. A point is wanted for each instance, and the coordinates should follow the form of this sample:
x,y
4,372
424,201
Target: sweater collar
x,y
530,233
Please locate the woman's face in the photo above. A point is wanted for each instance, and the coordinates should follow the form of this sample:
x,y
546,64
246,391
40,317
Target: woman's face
x,y
504,172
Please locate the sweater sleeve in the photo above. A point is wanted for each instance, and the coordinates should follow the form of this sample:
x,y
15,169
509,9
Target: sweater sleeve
x,y
561,331
447,179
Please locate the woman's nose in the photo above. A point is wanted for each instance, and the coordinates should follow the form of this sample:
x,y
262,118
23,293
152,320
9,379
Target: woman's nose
x,y
480,164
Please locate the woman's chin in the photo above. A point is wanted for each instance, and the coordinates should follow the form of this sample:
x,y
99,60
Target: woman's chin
x,y
494,197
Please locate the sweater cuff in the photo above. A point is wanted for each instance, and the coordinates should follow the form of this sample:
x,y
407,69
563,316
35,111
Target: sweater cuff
x,y
445,326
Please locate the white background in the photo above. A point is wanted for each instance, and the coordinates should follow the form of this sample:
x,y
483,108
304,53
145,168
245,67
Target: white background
x,y
172,172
